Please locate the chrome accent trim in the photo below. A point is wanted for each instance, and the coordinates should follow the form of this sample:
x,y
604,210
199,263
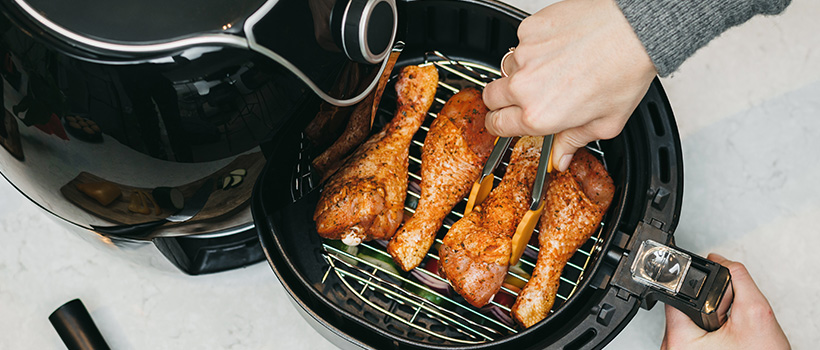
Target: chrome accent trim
x,y
209,39
230,40
255,46
342,28
363,43
225,232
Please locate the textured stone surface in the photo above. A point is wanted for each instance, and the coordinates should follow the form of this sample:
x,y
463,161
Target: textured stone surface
x,y
748,108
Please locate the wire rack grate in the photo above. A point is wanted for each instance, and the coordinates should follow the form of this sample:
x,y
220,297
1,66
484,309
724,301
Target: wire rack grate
x,y
442,316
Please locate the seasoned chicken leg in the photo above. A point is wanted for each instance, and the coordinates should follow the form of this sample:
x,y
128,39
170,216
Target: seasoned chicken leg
x,y
475,253
576,202
455,148
364,200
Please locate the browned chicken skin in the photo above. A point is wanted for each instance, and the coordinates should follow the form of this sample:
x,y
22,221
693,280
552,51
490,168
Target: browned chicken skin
x,y
475,253
364,200
576,202
454,150
322,129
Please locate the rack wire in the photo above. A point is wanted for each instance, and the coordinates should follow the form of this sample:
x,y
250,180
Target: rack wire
x,y
447,317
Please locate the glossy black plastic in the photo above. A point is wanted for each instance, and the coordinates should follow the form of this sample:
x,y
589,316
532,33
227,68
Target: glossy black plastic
x,y
160,119
172,123
76,328
203,255
146,21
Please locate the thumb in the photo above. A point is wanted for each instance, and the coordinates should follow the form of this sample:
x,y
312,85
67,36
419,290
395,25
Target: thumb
x,y
566,143
680,329
748,299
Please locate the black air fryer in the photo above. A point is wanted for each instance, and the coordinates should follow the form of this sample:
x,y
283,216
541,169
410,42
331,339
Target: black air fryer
x,y
146,121
631,262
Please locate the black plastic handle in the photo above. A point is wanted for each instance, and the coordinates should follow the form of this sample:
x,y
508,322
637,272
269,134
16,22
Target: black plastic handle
x,y
76,328
137,231
706,293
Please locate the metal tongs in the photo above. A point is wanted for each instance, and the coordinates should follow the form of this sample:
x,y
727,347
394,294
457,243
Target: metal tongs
x,y
484,184
482,187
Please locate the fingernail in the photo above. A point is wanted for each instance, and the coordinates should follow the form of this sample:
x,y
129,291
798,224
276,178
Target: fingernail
x,y
563,164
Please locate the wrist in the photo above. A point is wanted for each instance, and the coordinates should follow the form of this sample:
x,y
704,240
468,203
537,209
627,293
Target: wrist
x,y
672,30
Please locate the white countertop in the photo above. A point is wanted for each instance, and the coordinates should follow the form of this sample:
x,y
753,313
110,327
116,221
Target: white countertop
x,y
748,108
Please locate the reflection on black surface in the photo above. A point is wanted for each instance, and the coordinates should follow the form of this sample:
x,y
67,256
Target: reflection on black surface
x,y
320,11
154,102
298,31
175,124
10,136
145,20
173,121
221,105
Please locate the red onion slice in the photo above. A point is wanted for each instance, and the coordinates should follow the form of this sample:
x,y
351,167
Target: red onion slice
x,y
530,253
382,243
413,186
499,314
435,284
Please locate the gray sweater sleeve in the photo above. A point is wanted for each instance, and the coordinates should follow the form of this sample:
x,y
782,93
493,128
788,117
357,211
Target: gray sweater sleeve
x,y
672,30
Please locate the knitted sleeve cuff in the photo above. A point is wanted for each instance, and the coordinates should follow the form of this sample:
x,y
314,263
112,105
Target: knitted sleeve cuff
x,y
672,30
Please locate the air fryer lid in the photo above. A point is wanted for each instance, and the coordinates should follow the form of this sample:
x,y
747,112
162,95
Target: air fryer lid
x,y
147,21
300,35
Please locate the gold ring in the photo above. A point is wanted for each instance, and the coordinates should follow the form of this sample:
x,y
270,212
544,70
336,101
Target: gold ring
x,y
504,72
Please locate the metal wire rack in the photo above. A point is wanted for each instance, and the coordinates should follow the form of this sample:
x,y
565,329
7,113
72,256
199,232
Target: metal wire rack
x,y
446,316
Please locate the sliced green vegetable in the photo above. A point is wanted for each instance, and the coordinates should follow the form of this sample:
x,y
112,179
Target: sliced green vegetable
x,y
432,297
515,281
236,180
352,250
379,259
521,269
239,172
231,181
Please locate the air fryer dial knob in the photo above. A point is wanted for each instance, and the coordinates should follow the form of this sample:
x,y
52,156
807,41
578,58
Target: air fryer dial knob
x,y
365,29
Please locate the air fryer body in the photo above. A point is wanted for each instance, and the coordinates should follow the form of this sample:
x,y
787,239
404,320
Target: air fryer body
x,y
99,91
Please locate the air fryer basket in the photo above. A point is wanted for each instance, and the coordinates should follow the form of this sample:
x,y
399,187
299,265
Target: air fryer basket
x,y
644,162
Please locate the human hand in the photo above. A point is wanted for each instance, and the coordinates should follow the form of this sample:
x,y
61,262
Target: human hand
x,y
751,323
578,71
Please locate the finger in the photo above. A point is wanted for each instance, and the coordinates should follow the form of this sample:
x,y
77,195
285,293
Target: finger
x,y
665,342
505,122
748,297
680,329
497,94
567,142
750,309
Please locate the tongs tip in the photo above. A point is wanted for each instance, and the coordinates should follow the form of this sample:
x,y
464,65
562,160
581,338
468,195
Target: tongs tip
x,y
482,187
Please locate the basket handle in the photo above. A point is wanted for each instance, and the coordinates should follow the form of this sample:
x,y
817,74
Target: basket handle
x,y
705,295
